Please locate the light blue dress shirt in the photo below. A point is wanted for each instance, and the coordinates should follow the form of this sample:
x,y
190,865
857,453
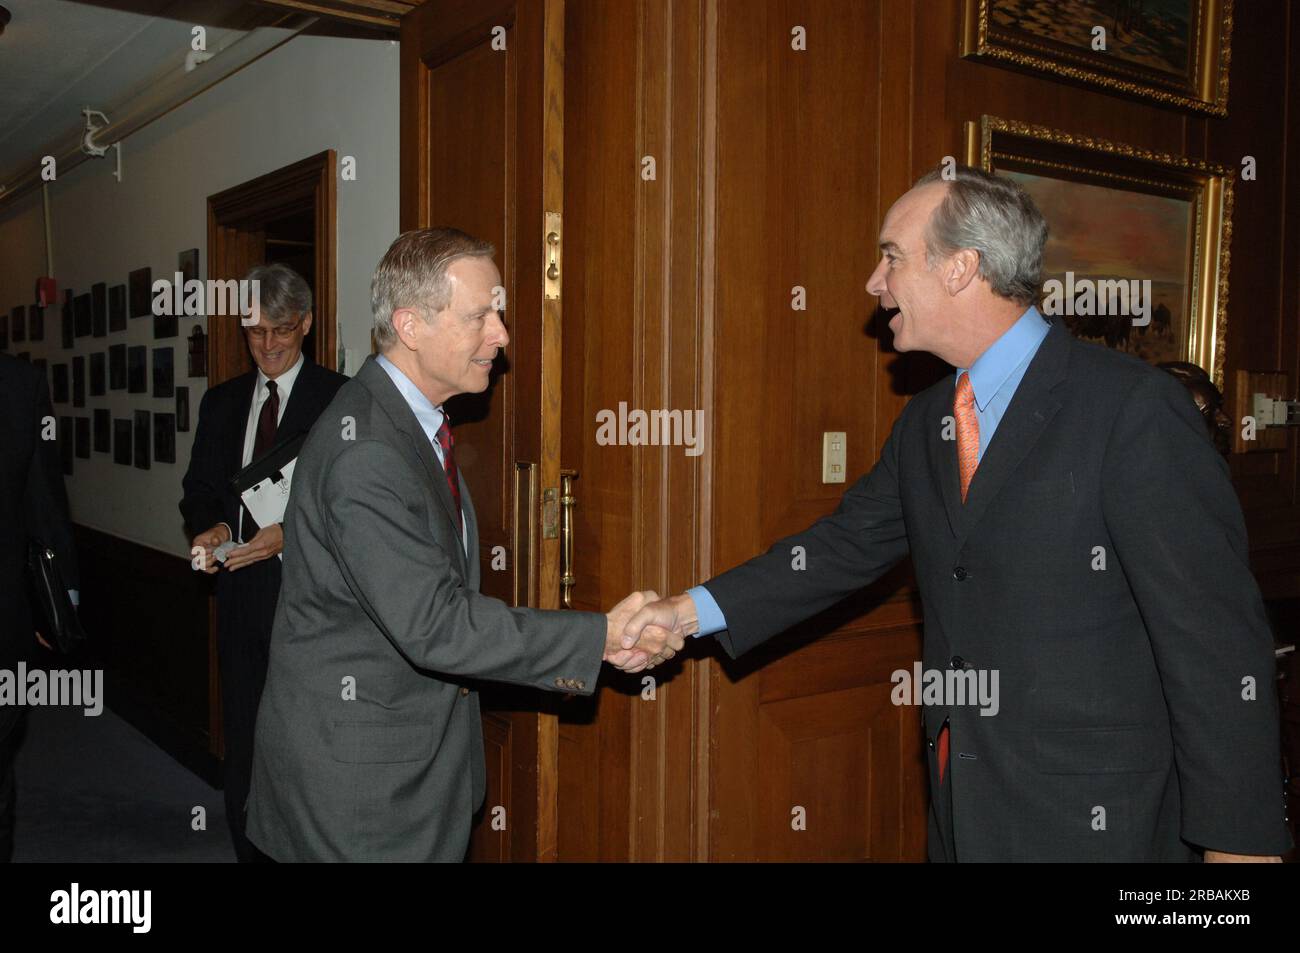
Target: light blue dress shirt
x,y
429,417
994,377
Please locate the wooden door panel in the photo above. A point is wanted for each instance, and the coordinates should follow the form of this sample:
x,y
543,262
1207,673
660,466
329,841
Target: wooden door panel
x,y
812,725
469,190
481,153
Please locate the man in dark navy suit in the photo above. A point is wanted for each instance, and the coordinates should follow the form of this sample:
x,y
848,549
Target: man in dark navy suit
x,y
240,420
1075,535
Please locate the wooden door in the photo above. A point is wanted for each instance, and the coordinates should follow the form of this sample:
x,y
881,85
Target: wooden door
x,y
482,151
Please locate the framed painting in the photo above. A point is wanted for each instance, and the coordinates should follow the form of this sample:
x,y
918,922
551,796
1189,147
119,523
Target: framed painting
x,y
1173,52
1138,249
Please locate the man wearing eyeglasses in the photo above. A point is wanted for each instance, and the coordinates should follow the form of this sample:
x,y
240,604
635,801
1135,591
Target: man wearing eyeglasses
x,y
240,421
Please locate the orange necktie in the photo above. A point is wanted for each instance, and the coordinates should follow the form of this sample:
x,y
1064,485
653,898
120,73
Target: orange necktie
x,y
968,459
968,432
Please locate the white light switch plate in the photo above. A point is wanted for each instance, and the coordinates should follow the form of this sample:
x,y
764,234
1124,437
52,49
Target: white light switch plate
x,y
834,456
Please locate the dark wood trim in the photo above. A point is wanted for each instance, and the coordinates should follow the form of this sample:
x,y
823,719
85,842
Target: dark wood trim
x,y
236,222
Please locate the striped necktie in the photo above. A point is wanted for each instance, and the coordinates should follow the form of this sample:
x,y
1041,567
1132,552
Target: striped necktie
x,y
447,442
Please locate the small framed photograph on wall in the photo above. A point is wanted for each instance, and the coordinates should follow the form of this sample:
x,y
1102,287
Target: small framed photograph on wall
x,y
99,308
140,439
98,364
59,383
137,369
183,409
117,367
85,315
163,380
164,438
78,381
117,308
141,284
122,442
103,431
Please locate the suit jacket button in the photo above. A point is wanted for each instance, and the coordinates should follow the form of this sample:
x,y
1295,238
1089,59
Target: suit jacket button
x,y
464,691
957,662
559,683
959,574
581,685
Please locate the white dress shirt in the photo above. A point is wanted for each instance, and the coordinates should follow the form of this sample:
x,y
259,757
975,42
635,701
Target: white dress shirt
x,y
261,393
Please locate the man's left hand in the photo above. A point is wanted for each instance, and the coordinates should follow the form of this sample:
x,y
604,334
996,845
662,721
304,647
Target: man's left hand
x,y
268,543
1219,857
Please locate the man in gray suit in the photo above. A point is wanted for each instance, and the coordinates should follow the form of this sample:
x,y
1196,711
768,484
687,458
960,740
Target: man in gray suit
x,y
368,743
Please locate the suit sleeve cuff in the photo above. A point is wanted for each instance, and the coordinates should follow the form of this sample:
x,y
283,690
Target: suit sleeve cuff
x,y
707,612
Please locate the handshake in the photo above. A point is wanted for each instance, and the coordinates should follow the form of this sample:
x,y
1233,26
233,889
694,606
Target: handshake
x,y
644,630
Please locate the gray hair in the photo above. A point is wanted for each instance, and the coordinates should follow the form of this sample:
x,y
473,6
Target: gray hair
x,y
282,293
413,274
995,217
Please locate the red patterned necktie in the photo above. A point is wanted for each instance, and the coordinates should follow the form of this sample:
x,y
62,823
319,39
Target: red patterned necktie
x,y
968,433
447,442
267,423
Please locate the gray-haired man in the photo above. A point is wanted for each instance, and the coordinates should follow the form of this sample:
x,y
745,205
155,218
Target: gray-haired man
x,y
1075,535
369,744
239,421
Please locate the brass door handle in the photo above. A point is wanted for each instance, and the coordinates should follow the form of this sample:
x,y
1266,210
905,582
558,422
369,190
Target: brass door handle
x,y
567,501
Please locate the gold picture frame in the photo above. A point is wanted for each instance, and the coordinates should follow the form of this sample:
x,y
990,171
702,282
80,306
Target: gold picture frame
x,y
1112,182
1175,57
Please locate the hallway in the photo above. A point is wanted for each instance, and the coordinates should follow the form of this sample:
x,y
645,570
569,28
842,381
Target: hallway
x,y
95,789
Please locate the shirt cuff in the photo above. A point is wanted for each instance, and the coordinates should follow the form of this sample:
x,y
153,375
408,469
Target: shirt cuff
x,y
75,596
707,612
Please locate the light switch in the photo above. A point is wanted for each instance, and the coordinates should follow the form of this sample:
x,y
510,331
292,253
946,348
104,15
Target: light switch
x,y
834,456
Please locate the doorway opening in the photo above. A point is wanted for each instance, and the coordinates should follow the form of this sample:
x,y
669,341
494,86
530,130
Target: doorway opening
x,y
285,216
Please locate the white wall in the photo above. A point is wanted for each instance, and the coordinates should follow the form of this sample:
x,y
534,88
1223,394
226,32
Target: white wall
x,y
312,94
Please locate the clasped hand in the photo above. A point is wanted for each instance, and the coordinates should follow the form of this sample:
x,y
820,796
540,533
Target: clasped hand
x,y
644,630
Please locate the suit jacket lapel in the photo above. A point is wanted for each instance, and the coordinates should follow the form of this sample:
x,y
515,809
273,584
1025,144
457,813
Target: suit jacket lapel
x,y
943,460
301,399
471,534
1027,416
388,397
239,432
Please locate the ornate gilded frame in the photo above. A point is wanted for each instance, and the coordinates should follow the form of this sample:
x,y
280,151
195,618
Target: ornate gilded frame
x,y
993,144
1204,91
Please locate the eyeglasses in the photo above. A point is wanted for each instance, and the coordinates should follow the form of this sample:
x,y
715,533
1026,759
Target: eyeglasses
x,y
283,333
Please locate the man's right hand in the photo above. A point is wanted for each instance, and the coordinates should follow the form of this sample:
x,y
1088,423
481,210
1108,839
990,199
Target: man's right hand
x,y
655,633
208,541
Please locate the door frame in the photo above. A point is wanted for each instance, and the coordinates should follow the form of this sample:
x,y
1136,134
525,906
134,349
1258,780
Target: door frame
x,y
236,218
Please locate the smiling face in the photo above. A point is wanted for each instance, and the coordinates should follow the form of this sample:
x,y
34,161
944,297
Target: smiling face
x,y
454,350
904,280
275,347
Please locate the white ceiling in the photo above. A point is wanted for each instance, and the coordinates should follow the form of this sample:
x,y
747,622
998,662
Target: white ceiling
x,y
57,56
